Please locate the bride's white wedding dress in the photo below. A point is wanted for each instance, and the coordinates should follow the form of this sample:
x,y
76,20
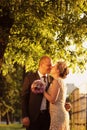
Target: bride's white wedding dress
x,y
59,115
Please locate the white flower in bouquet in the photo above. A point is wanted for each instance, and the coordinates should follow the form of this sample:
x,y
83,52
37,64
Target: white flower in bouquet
x,y
38,87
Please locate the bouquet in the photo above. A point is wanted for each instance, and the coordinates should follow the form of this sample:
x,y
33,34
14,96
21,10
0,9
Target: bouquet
x,y
38,87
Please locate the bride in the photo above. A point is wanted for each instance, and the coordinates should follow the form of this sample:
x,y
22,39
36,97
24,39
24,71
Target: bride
x,y
56,95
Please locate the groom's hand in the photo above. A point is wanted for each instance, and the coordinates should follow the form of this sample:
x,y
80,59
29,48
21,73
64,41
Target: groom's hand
x,y
26,121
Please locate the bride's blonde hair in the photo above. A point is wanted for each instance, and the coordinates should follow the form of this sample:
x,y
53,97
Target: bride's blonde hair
x,y
63,69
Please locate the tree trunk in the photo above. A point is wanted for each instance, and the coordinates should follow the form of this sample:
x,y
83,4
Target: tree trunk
x,y
6,22
7,119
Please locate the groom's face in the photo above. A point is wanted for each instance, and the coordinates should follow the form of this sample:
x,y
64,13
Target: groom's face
x,y
46,66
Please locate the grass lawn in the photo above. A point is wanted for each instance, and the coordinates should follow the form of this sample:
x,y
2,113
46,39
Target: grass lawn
x,y
11,127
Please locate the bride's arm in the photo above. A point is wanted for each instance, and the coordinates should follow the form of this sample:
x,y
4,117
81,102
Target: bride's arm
x,y
53,91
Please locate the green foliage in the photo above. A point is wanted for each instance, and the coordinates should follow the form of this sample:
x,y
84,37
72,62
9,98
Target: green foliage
x,y
36,23
47,27
10,100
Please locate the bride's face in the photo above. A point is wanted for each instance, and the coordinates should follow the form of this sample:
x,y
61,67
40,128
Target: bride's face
x,y
54,69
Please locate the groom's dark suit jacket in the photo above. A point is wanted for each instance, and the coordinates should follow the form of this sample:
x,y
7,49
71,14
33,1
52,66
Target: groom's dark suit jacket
x,y
31,102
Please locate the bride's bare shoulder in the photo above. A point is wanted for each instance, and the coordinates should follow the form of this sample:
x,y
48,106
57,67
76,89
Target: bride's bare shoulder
x,y
56,82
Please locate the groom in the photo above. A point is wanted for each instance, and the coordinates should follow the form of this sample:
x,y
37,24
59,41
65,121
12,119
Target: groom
x,y
35,111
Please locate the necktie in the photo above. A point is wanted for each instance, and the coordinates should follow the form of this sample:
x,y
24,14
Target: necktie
x,y
44,79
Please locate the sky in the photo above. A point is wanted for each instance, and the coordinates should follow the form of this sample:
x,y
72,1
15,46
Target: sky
x,y
79,80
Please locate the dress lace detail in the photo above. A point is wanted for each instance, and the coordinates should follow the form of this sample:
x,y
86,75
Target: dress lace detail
x,y
59,115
